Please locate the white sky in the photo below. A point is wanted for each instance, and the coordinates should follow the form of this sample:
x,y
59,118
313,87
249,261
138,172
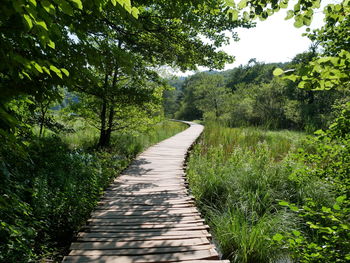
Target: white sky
x,y
272,40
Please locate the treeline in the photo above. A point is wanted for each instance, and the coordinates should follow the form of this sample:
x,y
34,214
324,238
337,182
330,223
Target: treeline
x,y
250,95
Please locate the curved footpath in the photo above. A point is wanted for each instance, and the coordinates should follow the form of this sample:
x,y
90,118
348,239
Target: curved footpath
x,y
146,214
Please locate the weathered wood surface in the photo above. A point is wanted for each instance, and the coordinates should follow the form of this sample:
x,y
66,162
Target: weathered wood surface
x,y
146,214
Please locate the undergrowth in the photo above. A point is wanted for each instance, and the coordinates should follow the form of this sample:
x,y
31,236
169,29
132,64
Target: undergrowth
x,y
47,194
238,176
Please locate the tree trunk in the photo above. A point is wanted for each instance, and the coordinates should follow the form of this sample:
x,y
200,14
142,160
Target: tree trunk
x,y
102,139
110,125
42,118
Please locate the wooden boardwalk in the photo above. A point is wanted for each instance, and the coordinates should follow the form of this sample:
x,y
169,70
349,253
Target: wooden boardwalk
x,y
147,215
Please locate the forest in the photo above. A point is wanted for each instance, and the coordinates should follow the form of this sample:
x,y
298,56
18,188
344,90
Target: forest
x,y
81,96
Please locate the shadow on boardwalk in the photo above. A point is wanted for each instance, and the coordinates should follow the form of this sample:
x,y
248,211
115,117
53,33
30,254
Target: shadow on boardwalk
x,y
146,214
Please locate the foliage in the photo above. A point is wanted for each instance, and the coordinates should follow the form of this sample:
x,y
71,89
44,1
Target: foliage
x,y
302,11
237,177
48,193
329,225
207,93
172,95
250,96
330,232
330,69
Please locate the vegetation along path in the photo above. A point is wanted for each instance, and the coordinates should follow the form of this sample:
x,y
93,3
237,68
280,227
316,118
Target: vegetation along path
x,y
147,214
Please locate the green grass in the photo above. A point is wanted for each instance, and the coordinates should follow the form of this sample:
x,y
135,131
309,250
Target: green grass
x,y
133,143
126,142
238,176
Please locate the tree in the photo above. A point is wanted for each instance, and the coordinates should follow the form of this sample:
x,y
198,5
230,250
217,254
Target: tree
x,y
35,38
211,95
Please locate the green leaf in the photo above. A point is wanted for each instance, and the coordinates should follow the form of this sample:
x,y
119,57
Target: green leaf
x,y
78,4
26,74
290,14
66,72
37,67
135,12
126,4
278,72
66,8
292,77
278,237
307,20
298,240
114,2
47,71
42,24
230,3
56,70
346,227
341,199
51,44
336,207
50,8
234,15
284,4
33,2
294,208
246,16
326,209
296,233
242,4
284,203
298,21
28,20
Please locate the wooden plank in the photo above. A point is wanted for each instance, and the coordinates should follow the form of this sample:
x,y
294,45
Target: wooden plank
x,y
180,194
142,206
156,186
139,244
154,189
147,190
169,211
139,238
117,215
138,251
166,257
142,221
127,225
202,233
148,181
151,200
121,229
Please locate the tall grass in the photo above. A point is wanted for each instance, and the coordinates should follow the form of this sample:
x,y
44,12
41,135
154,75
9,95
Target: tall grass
x,y
131,143
126,142
238,176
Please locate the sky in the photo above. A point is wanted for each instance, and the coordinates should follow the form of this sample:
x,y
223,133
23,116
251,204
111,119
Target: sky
x,y
272,40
